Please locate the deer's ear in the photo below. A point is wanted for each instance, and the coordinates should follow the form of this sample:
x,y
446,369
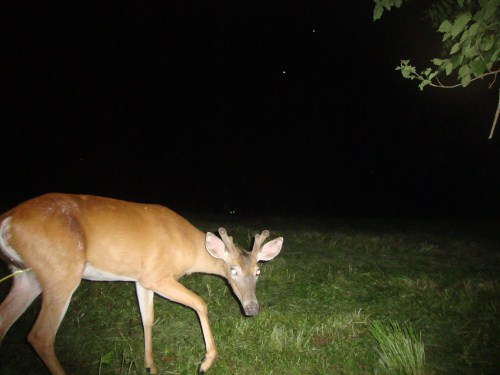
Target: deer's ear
x,y
270,249
215,246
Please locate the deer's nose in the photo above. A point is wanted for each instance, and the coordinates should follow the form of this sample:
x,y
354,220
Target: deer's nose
x,y
251,309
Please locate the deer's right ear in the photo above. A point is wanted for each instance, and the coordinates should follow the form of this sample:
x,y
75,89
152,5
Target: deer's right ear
x,y
215,246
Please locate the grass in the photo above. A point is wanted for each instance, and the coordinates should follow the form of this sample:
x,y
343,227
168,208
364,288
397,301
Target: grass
x,y
401,350
343,297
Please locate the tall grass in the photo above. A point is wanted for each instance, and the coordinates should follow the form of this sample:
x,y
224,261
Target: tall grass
x,y
327,303
400,349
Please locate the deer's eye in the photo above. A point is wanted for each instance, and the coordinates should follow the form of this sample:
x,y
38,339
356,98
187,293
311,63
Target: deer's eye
x,y
233,271
257,273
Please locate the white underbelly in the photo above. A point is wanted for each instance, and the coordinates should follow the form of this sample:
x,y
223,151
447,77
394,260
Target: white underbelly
x,y
95,274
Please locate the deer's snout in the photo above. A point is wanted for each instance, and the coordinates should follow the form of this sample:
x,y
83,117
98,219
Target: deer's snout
x,y
251,309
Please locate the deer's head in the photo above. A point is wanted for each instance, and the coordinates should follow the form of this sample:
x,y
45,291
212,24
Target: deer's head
x,y
241,267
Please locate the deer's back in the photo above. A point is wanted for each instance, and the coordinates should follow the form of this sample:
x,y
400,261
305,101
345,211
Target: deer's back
x,y
85,229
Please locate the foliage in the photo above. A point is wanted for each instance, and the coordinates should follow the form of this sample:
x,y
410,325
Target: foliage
x,y
471,37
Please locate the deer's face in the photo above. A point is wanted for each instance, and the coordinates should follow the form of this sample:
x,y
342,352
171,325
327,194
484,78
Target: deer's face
x,y
242,274
241,267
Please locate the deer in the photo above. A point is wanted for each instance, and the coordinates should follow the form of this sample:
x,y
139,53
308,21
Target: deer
x,y
59,239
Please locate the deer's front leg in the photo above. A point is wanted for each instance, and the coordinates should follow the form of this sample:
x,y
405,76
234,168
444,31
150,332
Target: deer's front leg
x,y
145,298
175,291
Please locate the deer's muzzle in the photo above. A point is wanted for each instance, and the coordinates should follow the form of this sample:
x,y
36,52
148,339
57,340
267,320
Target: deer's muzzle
x,y
251,309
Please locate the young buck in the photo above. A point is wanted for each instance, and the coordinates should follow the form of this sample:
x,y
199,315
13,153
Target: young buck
x,y
60,239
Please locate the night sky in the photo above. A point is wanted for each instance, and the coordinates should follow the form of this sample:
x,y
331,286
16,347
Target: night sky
x,y
277,107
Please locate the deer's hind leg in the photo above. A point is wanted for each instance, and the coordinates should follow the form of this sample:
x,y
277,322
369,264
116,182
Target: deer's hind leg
x,y
25,288
55,301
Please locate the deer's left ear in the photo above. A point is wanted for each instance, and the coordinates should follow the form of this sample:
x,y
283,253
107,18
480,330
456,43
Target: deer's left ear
x,y
270,249
215,246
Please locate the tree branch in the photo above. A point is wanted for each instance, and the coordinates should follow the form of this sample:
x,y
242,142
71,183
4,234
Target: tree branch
x,y
441,86
496,117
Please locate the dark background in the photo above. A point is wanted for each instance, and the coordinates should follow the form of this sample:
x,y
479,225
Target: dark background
x,y
277,107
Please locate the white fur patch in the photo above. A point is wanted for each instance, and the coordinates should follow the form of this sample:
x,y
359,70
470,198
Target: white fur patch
x,y
95,274
9,251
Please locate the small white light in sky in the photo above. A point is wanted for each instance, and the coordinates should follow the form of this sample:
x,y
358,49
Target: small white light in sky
x,y
314,30
284,72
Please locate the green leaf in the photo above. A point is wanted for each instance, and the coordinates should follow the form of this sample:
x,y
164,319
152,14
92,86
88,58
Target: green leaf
x,y
455,48
446,36
473,29
464,74
431,76
463,71
460,23
487,57
445,27
449,68
477,67
494,57
487,43
424,83
456,60
437,62
378,11
406,71
388,4
465,35
465,80
490,8
469,50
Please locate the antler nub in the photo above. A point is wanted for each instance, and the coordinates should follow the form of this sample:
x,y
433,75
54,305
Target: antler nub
x,y
228,241
259,240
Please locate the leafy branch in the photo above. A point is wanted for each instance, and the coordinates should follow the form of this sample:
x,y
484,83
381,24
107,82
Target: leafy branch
x,y
471,37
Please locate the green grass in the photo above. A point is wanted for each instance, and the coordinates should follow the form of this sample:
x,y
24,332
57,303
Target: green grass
x,y
343,297
400,349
